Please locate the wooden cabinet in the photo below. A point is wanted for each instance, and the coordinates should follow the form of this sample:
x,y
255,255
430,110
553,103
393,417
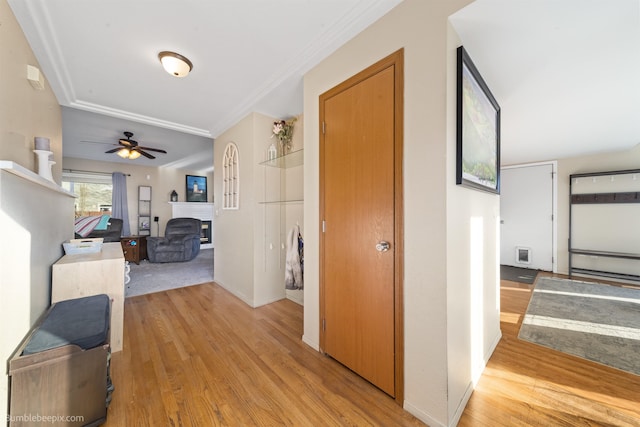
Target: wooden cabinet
x,y
134,248
62,367
81,275
63,381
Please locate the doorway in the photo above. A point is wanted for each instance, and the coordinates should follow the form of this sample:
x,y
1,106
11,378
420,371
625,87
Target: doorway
x,y
527,216
361,240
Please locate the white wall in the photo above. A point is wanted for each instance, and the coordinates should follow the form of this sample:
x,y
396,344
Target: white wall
x,y
33,219
527,215
446,287
473,258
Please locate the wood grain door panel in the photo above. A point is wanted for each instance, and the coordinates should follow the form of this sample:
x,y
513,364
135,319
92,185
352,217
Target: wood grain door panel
x,y
359,211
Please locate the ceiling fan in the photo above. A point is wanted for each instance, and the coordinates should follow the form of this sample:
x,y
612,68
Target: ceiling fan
x,y
131,150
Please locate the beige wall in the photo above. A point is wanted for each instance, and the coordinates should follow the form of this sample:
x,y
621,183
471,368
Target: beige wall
x,y
233,257
612,161
268,272
250,255
24,111
32,216
161,180
274,220
446,285
292,214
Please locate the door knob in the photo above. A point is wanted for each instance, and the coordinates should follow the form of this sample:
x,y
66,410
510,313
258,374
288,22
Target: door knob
x,y
383,246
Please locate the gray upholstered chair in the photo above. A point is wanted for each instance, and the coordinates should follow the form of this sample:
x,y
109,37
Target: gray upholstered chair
x,y
181,241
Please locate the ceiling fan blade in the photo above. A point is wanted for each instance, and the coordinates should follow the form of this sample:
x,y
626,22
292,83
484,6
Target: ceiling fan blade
x,y
144,153
98,142
127,143
114,150
153,149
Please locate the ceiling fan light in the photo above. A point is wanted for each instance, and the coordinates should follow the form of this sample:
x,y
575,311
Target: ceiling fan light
x,y
123,152
133,154
175,64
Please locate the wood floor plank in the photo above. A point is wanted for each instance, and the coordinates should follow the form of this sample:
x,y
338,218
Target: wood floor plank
x,y
525,384
198,356
208,359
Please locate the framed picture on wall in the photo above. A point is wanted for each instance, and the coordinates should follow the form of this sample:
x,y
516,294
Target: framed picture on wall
x,y
196,188
477,129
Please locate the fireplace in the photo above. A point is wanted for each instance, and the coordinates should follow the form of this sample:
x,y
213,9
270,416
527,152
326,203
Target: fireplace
x,y
202,211
205,233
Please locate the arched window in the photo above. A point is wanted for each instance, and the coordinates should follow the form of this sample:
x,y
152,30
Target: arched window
x,y
230,177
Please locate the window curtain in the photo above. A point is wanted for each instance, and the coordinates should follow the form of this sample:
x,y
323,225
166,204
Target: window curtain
x,y
119,208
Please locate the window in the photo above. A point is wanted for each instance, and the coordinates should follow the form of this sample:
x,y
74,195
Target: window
x,y
93,191
230,177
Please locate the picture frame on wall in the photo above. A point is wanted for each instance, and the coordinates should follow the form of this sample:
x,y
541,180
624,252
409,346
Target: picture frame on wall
x,y
196,188
477,129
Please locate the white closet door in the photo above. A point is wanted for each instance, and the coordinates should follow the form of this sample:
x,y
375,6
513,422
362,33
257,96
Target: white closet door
x,y
526,214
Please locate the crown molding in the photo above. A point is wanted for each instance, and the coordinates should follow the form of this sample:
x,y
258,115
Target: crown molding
x,y
34,17
127,115
362,15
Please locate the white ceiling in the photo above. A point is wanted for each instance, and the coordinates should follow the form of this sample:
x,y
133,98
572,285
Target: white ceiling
x,y
565,72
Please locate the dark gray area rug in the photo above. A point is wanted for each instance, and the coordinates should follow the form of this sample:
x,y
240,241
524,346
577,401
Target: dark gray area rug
x,y
594,321
148,277
517,274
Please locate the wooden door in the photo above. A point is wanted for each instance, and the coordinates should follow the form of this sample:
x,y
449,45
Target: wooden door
x,y
359,287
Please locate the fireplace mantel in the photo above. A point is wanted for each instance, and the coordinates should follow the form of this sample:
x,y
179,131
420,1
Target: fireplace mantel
x,y
200,210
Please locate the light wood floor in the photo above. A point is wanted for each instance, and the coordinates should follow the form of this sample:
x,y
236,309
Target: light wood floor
x,y
198,356
529,385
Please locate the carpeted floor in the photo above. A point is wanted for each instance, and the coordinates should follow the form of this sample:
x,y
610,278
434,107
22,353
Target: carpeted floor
x,y
594,321
148,277
517,274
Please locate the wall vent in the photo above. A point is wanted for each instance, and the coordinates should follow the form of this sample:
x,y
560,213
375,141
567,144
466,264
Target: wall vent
x,y
523,255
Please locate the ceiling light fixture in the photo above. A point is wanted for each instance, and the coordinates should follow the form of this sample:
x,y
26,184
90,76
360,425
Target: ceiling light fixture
x,y
175,64
126,153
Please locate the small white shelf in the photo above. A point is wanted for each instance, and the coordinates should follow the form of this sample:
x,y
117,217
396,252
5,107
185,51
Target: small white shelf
x,y
22,172
281,202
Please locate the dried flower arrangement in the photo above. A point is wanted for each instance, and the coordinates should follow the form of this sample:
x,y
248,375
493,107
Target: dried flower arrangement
x,y
283,131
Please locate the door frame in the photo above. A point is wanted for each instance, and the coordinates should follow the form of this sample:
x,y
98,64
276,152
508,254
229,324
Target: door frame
x,y
395,60
554,204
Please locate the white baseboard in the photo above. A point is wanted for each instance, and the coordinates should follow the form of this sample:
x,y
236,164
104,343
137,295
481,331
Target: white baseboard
x,y
429,420
421,415
268,301
474,381
314,345
240,295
